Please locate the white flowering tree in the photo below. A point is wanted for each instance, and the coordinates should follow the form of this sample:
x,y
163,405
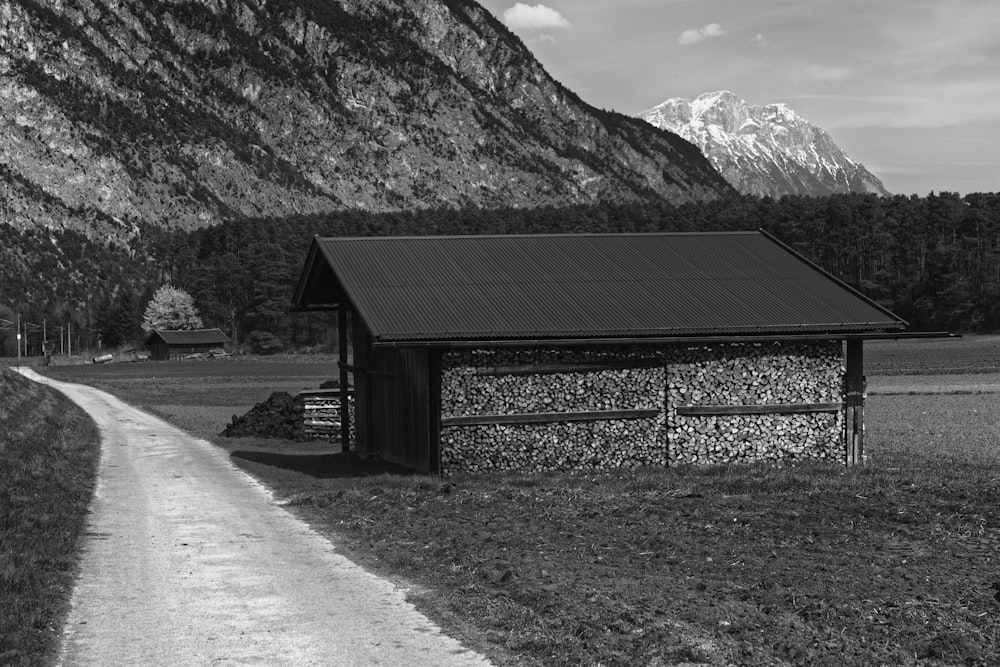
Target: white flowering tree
x,y
171,309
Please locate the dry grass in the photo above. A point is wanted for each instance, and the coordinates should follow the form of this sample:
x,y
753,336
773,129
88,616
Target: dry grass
x,y
934,429
754,565
928,356
202,396
49,451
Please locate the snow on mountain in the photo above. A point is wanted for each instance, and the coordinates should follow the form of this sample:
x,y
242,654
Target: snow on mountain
x,y
763,150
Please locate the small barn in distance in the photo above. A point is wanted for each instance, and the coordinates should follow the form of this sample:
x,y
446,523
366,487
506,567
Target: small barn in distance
x,y
595,350
163,344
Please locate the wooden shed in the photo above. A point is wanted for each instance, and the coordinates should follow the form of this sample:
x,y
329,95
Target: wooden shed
x,y
595,350
164,344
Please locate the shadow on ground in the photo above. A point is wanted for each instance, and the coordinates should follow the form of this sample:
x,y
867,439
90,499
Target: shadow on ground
x,y
323,465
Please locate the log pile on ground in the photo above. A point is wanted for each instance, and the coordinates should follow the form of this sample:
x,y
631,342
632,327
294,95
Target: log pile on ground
x,y
320,417
750,375
280,416
321,414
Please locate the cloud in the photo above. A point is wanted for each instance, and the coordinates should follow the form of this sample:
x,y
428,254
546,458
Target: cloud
x,y
819,73
534,18
695,35
912,105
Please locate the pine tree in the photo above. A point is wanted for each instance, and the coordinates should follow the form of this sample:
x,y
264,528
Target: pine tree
x,y
171,309
118,319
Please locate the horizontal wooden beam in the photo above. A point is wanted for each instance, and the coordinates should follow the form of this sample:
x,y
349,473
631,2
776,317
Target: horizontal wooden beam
x,y
361,370
324,392
736,337
549,369
762,409
548,417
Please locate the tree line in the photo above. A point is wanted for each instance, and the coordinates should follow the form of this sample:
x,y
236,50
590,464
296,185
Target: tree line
x,y
934,260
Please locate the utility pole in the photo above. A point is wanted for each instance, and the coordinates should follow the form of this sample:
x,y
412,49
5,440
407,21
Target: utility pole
x,y
18,329
69,339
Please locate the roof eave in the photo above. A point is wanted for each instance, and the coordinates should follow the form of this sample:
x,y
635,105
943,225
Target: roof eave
x,y
315,260
692,339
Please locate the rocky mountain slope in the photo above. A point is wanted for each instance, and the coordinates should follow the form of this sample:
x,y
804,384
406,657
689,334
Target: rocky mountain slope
x,y
764,150
120,112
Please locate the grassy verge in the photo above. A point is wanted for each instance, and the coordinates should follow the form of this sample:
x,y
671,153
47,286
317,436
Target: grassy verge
x,y
48,462
751,565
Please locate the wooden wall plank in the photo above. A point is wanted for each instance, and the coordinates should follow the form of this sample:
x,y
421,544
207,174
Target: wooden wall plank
x,y
549,369
548,417
762,409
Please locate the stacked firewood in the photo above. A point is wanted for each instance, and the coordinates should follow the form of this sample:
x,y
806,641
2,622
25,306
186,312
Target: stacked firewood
x,y
753,375
747,438
559,446
475,383
482,383
320,417
321,414
464,393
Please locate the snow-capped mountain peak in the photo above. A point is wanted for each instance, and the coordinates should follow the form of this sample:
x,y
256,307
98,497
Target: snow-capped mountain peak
x,y
763,150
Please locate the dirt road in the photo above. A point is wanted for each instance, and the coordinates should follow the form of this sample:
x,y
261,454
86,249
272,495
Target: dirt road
x,y
188,561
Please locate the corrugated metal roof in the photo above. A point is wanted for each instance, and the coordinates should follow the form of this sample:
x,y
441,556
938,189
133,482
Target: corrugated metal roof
x,y
192,337
586,286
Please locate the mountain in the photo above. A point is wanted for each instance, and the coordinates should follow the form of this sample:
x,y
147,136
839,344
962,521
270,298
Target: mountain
x,y
768,150
117,113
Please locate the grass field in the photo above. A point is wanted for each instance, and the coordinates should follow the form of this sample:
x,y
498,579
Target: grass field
x,y
49,449
202,396
895,563
928,356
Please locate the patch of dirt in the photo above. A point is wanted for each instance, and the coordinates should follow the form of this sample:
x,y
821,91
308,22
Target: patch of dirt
x,y
599,570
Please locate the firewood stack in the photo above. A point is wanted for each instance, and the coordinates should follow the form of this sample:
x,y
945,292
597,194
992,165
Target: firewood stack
x,y
321,414
559,446
523,385
753,375
497,383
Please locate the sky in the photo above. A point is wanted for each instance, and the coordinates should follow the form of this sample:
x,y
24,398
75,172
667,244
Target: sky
x,y
909,88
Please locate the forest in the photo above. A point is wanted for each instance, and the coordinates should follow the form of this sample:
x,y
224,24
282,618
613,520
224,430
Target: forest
x,y
934,261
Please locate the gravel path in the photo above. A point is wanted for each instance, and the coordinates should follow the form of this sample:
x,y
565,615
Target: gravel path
x,y
188,561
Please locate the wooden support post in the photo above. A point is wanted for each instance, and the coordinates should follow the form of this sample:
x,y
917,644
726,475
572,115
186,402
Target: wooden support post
x,y
345,408
854,400
434,408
